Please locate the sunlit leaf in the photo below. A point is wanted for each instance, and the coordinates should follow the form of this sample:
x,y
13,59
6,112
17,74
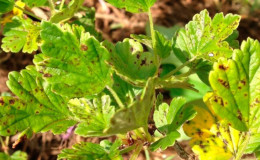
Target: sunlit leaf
x,y
37,108
72,61
206,37
94,116
21,35
33,3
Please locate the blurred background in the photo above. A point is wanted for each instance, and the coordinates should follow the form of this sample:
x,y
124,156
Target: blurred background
x,y
115,25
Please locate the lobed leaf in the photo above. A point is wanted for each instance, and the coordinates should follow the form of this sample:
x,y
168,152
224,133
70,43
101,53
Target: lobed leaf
x,y
129,60
134,6
91,151
72,61
93,117
206,37
162,45
37,109
236,87
21,35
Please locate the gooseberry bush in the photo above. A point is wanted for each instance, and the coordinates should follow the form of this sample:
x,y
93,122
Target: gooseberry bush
x,y
105,89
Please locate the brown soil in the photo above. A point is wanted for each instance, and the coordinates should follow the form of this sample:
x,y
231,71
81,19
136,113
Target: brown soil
x,y
167,13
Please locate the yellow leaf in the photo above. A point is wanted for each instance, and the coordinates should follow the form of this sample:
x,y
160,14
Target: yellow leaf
x,y
17,11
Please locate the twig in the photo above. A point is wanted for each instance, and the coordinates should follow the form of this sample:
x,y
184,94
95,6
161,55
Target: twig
x,y
181,152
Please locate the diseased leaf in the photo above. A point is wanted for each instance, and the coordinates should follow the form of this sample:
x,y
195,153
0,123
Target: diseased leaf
x,y
21,35
33,3
91,151
72,61
205,37
94,116
135,115
6,5
67,12
129,60
134,6
162,45
37,109
236,87
212,138
232,40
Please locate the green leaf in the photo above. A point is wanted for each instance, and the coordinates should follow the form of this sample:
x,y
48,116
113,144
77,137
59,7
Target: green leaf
x,y
6,5
21,35
94,116
236,87
129,60
205,37
91,151
37,109
18,155
72,61
232,40
162,45
134,6
88,22
67,12
33,3
168,119
146,40
165,142
136,115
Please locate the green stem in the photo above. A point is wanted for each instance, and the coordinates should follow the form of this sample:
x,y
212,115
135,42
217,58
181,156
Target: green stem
x,y
52,6
243,148
119,102
147,154
128,149
28,13
156,57
179,68
62,4
136,152
4,144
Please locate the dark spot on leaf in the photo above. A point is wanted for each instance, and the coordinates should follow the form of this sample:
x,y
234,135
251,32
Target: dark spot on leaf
x,y
188,122
221,66
8,131
47,75
143,62
37,112
138,56
11,101
84,47
243,82
218,134
2,101
224,83
245,94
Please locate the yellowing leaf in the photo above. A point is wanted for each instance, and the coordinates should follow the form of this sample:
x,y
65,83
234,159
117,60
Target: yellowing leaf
x,y
17,11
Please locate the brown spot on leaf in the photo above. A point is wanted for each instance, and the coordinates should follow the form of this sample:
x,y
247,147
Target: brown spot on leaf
x,y
243,82
47,75
2,101
11,101
84,47
221,66
224,83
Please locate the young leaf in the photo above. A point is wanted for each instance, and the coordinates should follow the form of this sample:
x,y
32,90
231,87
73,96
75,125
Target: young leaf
x,y
236,87
91,151
72,61
67,12
162,45
134,6
93,117
21,34
18,155
136,115
205,37
37,109
6,5
33,3
166,141
129,60
168,119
